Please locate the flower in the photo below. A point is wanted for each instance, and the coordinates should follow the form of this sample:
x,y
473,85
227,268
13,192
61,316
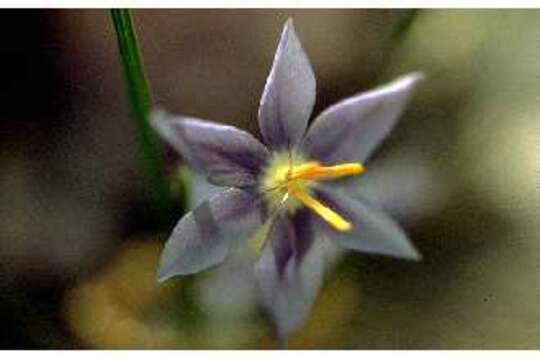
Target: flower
x,y
293,190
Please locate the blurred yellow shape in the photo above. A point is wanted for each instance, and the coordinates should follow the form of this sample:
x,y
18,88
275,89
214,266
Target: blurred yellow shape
x,y
108,310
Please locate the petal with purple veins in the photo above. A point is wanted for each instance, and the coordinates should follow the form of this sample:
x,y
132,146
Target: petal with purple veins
x,y
289,93
205,236
199,189
288,284
351,130
372,230
226,155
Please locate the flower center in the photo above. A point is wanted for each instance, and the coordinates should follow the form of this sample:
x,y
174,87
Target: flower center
x,y
288,181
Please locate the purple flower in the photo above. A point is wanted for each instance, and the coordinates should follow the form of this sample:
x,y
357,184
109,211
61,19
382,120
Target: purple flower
x,y
294,188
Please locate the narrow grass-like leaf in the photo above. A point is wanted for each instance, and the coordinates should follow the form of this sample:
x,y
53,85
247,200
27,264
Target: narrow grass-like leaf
x,y
139,96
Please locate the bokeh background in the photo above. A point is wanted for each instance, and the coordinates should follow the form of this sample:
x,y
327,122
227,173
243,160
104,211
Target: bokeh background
x,y
78,241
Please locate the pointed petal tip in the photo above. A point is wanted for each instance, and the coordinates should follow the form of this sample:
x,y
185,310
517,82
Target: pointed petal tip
x,y
411,79
289,20
157,111
409,251
157,114
288,32
408,254
406,251
161,279
402,84
289,23
164,272
413,254
288,28
162,276
158,119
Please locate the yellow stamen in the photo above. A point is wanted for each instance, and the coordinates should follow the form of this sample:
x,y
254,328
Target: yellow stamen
x,y
326,213
288,181
298,171
313,171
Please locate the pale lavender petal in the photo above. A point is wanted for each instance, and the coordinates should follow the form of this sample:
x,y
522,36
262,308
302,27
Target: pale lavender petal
x,y
288,284
289,93
372,230
199,189
226,155
350,130
229,291
404,185
205,236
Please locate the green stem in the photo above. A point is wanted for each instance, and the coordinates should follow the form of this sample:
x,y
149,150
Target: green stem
x,y
139,96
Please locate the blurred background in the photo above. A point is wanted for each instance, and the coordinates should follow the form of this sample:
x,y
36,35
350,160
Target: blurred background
x,y
79,245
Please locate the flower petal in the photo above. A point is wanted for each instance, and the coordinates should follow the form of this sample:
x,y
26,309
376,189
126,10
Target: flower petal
x,y
289,93
351,129
199,189
204,236
372,230
288,284
403,185
226,155
229,291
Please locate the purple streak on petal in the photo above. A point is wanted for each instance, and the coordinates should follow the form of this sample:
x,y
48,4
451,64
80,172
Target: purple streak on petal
x,y
291,235
226,155
289,93
302,225
372,230
205,236
199,188
288,284
281,237
353,128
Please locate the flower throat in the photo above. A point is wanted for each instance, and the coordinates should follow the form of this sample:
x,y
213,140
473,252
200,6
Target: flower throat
x,y
290,181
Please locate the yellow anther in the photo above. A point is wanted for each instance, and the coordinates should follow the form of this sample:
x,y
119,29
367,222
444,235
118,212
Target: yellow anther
x,y
326,213
313,171
288,181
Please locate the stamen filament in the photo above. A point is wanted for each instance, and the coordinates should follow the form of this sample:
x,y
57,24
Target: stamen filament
x,y
285,180
313,171
298,171
326,213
